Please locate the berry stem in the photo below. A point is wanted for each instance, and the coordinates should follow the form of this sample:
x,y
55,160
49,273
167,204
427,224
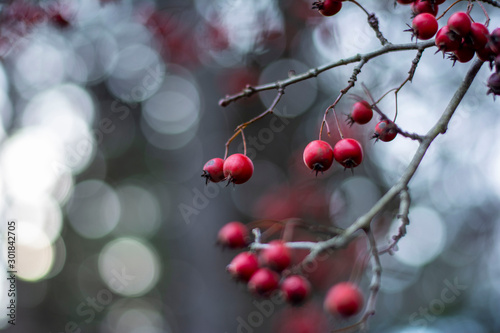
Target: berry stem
x,y
411,73
447,9
485,14
244,142
352,81
494,3
239,129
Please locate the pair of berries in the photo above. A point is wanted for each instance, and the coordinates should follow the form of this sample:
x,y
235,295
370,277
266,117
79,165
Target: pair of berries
x,y
261,272
362,113
319,155
237,169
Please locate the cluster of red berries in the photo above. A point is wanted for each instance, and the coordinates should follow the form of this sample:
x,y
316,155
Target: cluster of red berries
x,y
328,7
266,272
319,155
460,37
237,169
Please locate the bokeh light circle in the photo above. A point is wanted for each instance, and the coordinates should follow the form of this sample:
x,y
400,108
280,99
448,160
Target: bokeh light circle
x,y
129,266
94,209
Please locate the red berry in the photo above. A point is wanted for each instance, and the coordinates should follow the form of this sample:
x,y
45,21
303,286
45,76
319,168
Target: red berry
x,y
465,53
494,42
486,53
447,40
238,168
295,289
424,6
385,131
213,170
479,35
361,113
348,153
344,299
263,282
243,266
233,235
460,23
424,26
405,2
318,156
277,256
328,7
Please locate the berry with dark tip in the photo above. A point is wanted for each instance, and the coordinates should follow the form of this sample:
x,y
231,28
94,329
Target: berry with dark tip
x,y
318,156
213,170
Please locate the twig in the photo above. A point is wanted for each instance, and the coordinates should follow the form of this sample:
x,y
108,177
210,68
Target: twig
x,y
362,324
351,82
494,3
404,209
383,116
447,9
375,283
239,129
411,73
249,90
373,22
440,127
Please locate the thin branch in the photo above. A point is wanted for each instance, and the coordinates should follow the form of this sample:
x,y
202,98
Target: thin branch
x,y
440,127
239,129
383,116
292,245
351,82
249,90
362,324
447,9
411,73
373,22
375,282
494,3
404,210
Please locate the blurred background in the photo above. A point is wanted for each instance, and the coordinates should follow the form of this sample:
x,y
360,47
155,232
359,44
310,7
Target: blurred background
x,y
109,109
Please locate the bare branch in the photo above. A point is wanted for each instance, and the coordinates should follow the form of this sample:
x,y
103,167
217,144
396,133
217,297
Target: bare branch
x,y
375,282
249,90
239,129
440,127
494,3
404,209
